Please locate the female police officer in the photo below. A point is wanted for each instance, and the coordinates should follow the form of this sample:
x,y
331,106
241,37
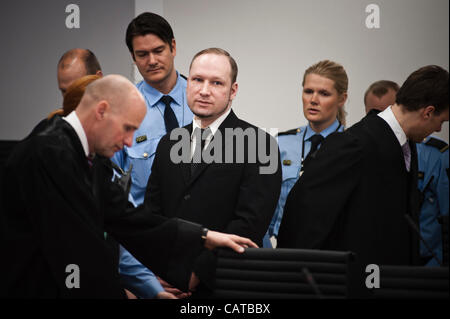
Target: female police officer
x,y
324,94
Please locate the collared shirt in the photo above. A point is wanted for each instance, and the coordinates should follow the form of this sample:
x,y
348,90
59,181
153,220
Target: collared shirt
x,y
74,121
391,120
146,138
214,126
291,146
153,99
310,132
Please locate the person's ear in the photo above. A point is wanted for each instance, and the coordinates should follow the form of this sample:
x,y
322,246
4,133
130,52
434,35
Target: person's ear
x,y
342,99
174,48
101,109
428,111
234,89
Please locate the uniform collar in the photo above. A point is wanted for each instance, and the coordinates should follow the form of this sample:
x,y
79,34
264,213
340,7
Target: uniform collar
x,y
330,129
153,95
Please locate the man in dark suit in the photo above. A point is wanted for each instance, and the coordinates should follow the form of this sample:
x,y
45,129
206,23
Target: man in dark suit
x,y
237,190
359,192
59,201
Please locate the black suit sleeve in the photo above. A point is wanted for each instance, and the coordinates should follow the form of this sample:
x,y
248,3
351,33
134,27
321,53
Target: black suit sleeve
x,y
321,193
166,246
152,197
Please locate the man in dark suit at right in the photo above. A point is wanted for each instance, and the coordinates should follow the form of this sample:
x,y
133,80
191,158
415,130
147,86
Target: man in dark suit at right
x,y
237,196
359,192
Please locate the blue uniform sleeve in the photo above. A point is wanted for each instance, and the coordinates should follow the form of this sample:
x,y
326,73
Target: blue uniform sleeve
x,y
442,188
434,186
136,277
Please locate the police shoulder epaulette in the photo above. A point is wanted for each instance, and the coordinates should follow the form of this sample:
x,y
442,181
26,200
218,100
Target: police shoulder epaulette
x,y
440,145
290,132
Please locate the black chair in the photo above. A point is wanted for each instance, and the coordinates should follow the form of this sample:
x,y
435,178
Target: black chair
x,y
265,273
443,220
408,282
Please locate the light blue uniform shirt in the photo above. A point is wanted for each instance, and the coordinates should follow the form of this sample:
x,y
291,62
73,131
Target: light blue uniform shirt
x,y
291,156
135,276
146,138
433,183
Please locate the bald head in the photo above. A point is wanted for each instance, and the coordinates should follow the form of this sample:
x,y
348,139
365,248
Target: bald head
x,y
117,90
380,95
75,64
110,111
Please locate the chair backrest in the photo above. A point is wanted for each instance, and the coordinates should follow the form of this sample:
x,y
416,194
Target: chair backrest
x,y
282,274
409,282
443,220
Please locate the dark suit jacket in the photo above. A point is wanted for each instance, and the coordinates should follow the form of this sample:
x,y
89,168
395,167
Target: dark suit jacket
x,y
354,195
55,212
233,198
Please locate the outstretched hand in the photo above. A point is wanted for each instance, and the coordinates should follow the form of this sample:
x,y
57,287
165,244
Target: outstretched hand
x,y
237,243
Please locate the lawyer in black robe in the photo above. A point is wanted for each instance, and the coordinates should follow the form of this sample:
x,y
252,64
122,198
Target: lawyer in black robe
x,y
56,209
354,195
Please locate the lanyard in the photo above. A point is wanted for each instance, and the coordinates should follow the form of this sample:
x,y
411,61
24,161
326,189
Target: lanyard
x,y
303,142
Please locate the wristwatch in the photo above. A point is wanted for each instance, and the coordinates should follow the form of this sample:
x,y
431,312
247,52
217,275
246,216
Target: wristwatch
x,y
204,233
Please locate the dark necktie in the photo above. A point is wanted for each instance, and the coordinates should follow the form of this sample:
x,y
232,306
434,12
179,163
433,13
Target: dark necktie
x,y
199,146
170,120
315,142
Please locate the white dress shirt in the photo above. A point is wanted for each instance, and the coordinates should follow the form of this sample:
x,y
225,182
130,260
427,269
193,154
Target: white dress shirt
x,y
214,126
74,121
391,120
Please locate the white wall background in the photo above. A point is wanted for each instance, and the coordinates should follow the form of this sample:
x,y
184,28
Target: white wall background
x,y
272,41
33,37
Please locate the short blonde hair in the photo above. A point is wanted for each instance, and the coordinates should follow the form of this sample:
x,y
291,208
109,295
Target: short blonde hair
x,y
219,51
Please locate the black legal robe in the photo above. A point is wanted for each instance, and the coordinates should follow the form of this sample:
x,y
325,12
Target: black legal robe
x,y
56,210
354,195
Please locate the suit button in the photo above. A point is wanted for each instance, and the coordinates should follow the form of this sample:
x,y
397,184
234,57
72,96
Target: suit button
x,y
187,197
